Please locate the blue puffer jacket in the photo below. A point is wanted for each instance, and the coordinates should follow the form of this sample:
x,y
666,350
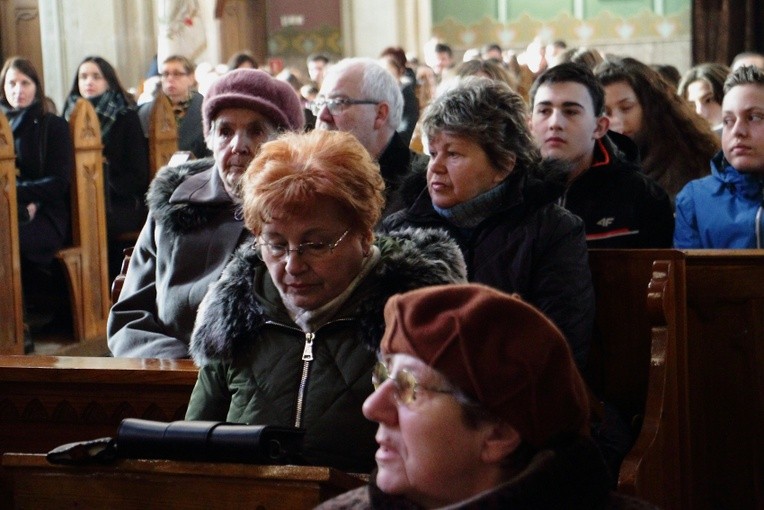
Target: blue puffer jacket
x,y
723,210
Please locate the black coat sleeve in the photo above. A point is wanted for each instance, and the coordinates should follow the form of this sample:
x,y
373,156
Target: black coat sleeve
x,y
127,155
58,164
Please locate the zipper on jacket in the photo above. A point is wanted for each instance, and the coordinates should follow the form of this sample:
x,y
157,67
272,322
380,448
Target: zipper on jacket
x,y
563,199
757,222
307,358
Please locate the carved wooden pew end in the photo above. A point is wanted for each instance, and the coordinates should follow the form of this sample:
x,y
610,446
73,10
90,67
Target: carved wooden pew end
x,y
86,261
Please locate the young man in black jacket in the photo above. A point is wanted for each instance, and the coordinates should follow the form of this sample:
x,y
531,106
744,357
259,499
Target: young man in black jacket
x,y
621,207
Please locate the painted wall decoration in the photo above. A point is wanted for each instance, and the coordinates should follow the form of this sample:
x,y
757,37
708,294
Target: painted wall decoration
x,y
604,28
297,28
294,41
181,29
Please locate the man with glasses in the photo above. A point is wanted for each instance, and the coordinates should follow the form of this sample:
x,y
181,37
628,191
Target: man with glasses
x,y
195,221
361,97
178,82
479,405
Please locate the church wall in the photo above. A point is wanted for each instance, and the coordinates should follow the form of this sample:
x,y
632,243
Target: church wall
x,y
654,31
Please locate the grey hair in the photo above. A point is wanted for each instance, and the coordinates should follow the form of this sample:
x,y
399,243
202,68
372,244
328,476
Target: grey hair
x,y
488,113
377,84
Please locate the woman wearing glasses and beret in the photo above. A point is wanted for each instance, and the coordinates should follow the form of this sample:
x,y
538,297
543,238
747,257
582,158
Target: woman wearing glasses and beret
x,y
288,334
479,405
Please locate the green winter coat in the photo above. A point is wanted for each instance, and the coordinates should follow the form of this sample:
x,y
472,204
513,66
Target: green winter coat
x,y
252,355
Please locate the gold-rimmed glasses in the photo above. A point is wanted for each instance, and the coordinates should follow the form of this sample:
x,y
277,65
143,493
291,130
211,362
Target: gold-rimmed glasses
x,y
406,384
306,250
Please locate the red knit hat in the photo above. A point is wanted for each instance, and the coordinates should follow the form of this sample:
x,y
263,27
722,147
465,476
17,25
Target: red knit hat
x,y
254,90
498,350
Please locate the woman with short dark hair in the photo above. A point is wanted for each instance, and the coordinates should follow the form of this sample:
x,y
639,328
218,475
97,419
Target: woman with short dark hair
x,y
488,187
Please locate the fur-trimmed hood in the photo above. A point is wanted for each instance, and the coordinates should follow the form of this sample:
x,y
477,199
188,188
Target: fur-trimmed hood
x,y
186,197
234,308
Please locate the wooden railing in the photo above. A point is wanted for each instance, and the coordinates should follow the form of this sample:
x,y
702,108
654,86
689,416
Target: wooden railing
x,y
158,484
11,312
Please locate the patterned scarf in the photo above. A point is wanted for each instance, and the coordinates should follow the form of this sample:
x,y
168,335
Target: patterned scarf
x,y
107,106
180,109
471,213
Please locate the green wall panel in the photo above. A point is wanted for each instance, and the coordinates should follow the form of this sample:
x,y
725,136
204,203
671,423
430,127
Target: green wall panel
x,y
675,6
621,8
468,12
472,11
537,9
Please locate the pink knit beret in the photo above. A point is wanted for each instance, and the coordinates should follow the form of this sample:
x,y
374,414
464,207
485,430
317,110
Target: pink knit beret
x,y
254,90
498,350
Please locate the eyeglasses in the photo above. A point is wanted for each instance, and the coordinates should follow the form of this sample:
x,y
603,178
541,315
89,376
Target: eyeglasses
x,y
304,250
337,106
175,74
406,385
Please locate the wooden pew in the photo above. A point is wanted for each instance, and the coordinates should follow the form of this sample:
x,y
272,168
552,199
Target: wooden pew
x,y
11,311
157,484
46,401
678,346
119,280
699,379
725,377
85,262
633,363
49,400
163,134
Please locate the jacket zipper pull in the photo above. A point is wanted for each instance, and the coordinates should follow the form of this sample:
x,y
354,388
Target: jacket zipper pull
x,y
307,352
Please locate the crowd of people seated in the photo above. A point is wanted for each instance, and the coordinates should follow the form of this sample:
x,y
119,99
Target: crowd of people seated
x,y
269,259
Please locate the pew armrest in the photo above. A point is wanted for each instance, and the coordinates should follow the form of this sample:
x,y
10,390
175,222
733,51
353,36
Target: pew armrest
x,y
651,467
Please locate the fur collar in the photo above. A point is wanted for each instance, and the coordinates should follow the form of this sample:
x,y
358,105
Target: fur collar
x,y
179,217
235,308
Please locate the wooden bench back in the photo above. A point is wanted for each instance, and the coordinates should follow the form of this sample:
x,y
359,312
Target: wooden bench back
x,y
725,377
47,401
633,363
163,134
11,311
86,261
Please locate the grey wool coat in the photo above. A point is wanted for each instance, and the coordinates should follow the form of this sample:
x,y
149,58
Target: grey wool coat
x,y
192,230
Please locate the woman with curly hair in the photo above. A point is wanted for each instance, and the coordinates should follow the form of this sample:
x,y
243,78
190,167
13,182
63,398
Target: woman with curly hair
x,y
674,142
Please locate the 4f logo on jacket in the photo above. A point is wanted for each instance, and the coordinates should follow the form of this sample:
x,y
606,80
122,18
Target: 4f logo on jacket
x,y
605,222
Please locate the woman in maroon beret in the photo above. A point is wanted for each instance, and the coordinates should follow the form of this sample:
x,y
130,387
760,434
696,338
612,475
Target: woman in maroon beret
x,y
479,405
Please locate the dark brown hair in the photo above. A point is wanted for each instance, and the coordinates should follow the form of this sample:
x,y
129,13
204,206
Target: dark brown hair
x,y
24,66
675,143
